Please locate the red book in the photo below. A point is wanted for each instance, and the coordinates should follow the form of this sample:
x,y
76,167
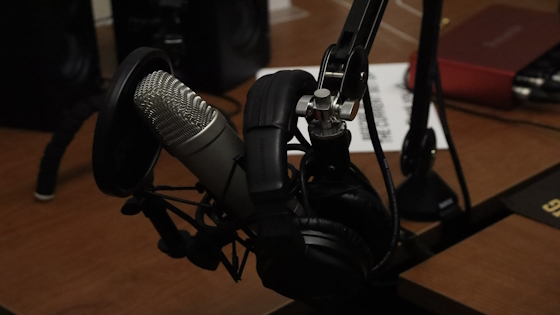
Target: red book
x,y
479,58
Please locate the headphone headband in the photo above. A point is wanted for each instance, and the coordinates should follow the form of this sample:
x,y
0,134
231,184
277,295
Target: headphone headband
x,y
269,123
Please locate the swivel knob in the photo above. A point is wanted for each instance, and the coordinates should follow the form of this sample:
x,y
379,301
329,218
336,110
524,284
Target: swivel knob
x,y
322,99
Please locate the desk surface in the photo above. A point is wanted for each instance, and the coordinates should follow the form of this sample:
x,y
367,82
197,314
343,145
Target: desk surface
x,y
508,268
78,254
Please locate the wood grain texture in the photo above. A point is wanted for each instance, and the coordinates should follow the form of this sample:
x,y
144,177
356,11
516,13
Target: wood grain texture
x,y
509,268
79,255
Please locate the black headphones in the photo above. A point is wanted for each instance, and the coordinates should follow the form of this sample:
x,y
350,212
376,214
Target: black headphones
x,y
327,245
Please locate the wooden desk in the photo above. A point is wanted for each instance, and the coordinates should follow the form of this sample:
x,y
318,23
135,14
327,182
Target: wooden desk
x,y
508,268
79,255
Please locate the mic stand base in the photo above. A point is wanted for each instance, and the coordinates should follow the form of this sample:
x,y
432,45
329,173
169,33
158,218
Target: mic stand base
x,y
426,198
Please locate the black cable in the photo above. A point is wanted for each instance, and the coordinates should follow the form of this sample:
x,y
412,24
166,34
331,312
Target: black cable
x,y
452,149
303,182
360,176
389,185
299,136
294,179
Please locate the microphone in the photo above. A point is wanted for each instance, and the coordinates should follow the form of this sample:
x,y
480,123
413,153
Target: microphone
x,y
197,135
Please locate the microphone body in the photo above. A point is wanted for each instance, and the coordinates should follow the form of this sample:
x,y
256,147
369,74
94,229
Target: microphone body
x,y
210,156
198,136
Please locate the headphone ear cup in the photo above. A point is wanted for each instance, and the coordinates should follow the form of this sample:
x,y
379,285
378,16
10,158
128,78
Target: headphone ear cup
x,y
335,263
360,210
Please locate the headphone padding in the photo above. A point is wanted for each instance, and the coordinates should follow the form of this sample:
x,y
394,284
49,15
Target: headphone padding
x,y
364,213
336,260
347,235
271,101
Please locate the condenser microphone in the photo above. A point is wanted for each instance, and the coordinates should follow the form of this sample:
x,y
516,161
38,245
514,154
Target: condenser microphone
x,y
197,135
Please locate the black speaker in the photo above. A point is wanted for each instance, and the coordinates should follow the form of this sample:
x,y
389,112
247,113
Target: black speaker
x,y
214,45
48,60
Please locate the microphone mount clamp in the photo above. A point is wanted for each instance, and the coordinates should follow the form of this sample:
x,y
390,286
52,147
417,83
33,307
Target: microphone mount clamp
x,y
344,68
342,83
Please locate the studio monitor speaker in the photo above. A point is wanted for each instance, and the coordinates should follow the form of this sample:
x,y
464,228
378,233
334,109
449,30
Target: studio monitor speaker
x,y
214,45
48,60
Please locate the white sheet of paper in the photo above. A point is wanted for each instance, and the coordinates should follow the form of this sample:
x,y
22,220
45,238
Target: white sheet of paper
x,y
392,105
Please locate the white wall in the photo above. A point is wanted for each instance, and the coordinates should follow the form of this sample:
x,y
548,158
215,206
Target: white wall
x,y
278,4
102,8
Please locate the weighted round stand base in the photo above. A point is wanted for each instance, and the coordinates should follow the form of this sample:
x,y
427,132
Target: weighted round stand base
x,y
426,198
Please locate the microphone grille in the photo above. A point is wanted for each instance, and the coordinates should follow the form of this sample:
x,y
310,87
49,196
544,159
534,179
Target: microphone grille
x,y
175,112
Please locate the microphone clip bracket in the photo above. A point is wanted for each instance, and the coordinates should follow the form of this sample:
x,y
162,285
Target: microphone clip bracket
x,y
205,249
344,72
338,94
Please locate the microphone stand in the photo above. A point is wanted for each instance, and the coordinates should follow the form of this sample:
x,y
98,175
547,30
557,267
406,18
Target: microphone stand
x,y
342,84
54,151
424,196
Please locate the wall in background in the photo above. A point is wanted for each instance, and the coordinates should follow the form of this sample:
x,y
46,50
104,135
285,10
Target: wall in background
x,y
101,9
